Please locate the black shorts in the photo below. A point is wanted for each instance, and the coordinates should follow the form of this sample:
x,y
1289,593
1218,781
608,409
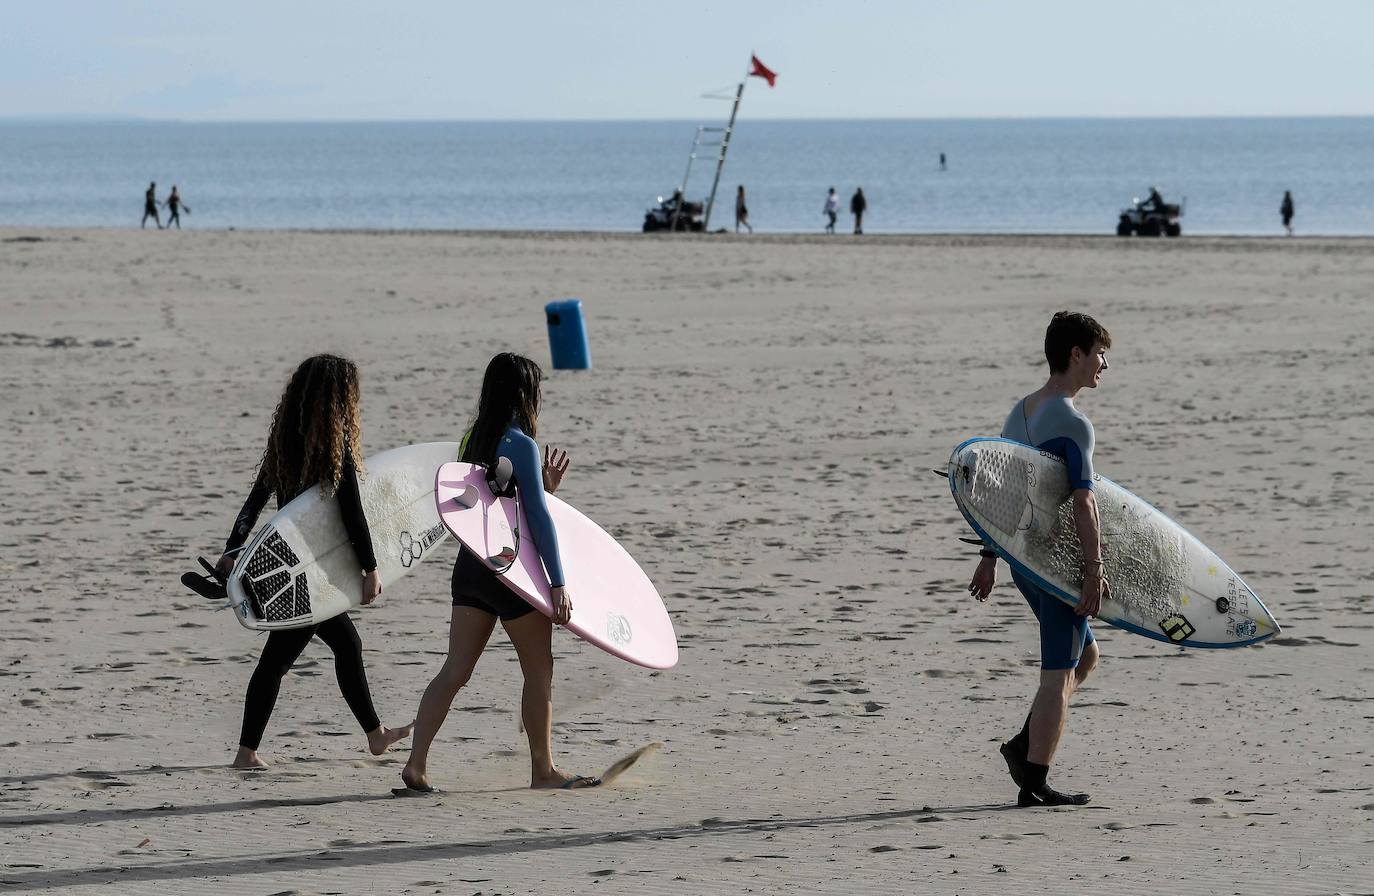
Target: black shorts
x,y
475,585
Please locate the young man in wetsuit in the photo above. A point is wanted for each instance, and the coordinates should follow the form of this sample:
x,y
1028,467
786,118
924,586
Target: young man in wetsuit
x,y
1076,348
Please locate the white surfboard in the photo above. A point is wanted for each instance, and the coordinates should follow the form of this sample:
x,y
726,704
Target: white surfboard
x,y
300,569
1166,584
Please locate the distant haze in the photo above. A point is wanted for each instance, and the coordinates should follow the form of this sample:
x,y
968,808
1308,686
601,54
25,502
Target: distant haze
x,y
428,59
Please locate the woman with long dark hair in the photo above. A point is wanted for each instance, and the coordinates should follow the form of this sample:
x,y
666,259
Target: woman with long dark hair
x,y
505,427
315,436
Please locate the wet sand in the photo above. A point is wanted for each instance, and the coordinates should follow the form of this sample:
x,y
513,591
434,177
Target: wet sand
x,y
758,430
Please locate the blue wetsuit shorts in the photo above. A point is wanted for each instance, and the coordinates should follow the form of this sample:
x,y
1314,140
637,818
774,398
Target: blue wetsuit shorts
x,y
1063,633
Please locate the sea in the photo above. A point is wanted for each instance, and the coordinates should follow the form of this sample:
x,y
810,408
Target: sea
x,y
1067,176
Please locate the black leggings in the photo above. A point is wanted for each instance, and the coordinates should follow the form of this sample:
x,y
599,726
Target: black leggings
x,y
280,653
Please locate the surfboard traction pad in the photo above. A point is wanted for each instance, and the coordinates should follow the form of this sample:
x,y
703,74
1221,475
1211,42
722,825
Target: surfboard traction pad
x,y
270,581
1144,561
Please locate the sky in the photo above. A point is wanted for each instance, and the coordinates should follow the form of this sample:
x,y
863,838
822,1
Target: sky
x,y
612,59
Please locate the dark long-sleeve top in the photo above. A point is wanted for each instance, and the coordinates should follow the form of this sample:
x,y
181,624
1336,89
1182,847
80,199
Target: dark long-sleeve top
x,y
350,505
523,453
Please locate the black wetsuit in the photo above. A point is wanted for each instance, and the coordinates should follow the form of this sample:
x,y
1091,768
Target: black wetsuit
x,y
283,647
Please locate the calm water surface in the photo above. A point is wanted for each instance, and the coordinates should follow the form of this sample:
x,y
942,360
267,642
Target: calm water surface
x,y
1004,176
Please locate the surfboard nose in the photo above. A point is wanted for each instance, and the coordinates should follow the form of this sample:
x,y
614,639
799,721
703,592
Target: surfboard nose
x,y
1269,623
1265,623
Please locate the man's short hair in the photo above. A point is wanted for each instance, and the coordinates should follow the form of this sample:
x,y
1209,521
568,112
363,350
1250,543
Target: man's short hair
x,y
1070,328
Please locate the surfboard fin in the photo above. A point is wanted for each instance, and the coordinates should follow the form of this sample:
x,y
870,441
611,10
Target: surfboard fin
x,y
209,586
467,498
943,474
503,560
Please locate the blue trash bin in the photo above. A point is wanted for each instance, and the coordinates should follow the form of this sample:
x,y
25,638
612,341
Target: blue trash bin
x,y
567,335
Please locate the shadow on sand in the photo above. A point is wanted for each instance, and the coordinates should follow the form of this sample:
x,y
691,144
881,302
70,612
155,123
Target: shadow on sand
x,y
95,774
364,854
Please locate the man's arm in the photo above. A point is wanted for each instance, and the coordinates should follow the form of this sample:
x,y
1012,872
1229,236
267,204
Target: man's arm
x,y
1089,526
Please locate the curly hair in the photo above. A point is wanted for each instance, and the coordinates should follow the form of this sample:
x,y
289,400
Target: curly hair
x,y
317,422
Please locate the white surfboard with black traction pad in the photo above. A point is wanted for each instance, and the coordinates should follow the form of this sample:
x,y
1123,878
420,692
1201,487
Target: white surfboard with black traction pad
x,y
300,568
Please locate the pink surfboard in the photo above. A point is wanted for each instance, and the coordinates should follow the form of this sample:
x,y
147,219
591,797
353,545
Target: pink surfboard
x,y
615,606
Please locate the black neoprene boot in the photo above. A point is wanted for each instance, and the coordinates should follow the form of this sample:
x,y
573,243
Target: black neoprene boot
x,y
1014,752
1035,792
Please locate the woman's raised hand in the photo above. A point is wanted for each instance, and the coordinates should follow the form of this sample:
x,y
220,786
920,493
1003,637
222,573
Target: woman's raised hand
x,y
556,463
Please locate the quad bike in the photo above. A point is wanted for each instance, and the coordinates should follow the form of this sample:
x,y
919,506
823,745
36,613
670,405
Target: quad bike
x,y
689,217
1150,217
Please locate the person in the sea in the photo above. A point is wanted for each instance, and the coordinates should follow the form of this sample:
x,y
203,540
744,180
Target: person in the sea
x,y
150,207
1076,349
1286,211
313,443
505,428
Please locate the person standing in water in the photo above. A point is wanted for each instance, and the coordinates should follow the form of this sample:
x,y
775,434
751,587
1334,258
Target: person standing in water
x,y
315,436
1286,212
174,207
1076,349
857,206
505,428
741,211
942,161
831,210
150,207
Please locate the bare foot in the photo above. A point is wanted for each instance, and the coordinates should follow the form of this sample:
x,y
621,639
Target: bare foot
x,y
383,737
557,780
415,781
247,759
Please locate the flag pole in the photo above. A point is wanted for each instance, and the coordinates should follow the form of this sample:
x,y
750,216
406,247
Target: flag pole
x,y
720,162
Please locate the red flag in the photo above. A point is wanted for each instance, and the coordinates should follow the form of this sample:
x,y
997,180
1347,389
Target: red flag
x,y
762,71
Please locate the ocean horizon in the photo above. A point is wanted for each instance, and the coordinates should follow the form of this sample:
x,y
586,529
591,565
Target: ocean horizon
x,y
1004,175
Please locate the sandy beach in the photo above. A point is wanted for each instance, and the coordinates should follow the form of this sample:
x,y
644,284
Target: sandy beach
x,y
759,431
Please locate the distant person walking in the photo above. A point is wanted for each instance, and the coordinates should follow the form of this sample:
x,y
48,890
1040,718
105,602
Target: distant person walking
x,y
1286,210
174,207
832,210
741,211
150,207
942,161
857,206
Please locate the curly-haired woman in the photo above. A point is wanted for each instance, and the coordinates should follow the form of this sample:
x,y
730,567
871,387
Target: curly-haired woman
x,y
314,438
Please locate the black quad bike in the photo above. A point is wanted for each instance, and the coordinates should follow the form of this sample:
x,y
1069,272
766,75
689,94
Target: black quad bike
x,y
1150,217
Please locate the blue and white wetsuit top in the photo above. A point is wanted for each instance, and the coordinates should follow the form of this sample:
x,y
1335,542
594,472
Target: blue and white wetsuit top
x,y
1059,428
523,453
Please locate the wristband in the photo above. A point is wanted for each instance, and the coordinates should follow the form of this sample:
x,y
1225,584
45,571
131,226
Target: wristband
x,y
984,552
